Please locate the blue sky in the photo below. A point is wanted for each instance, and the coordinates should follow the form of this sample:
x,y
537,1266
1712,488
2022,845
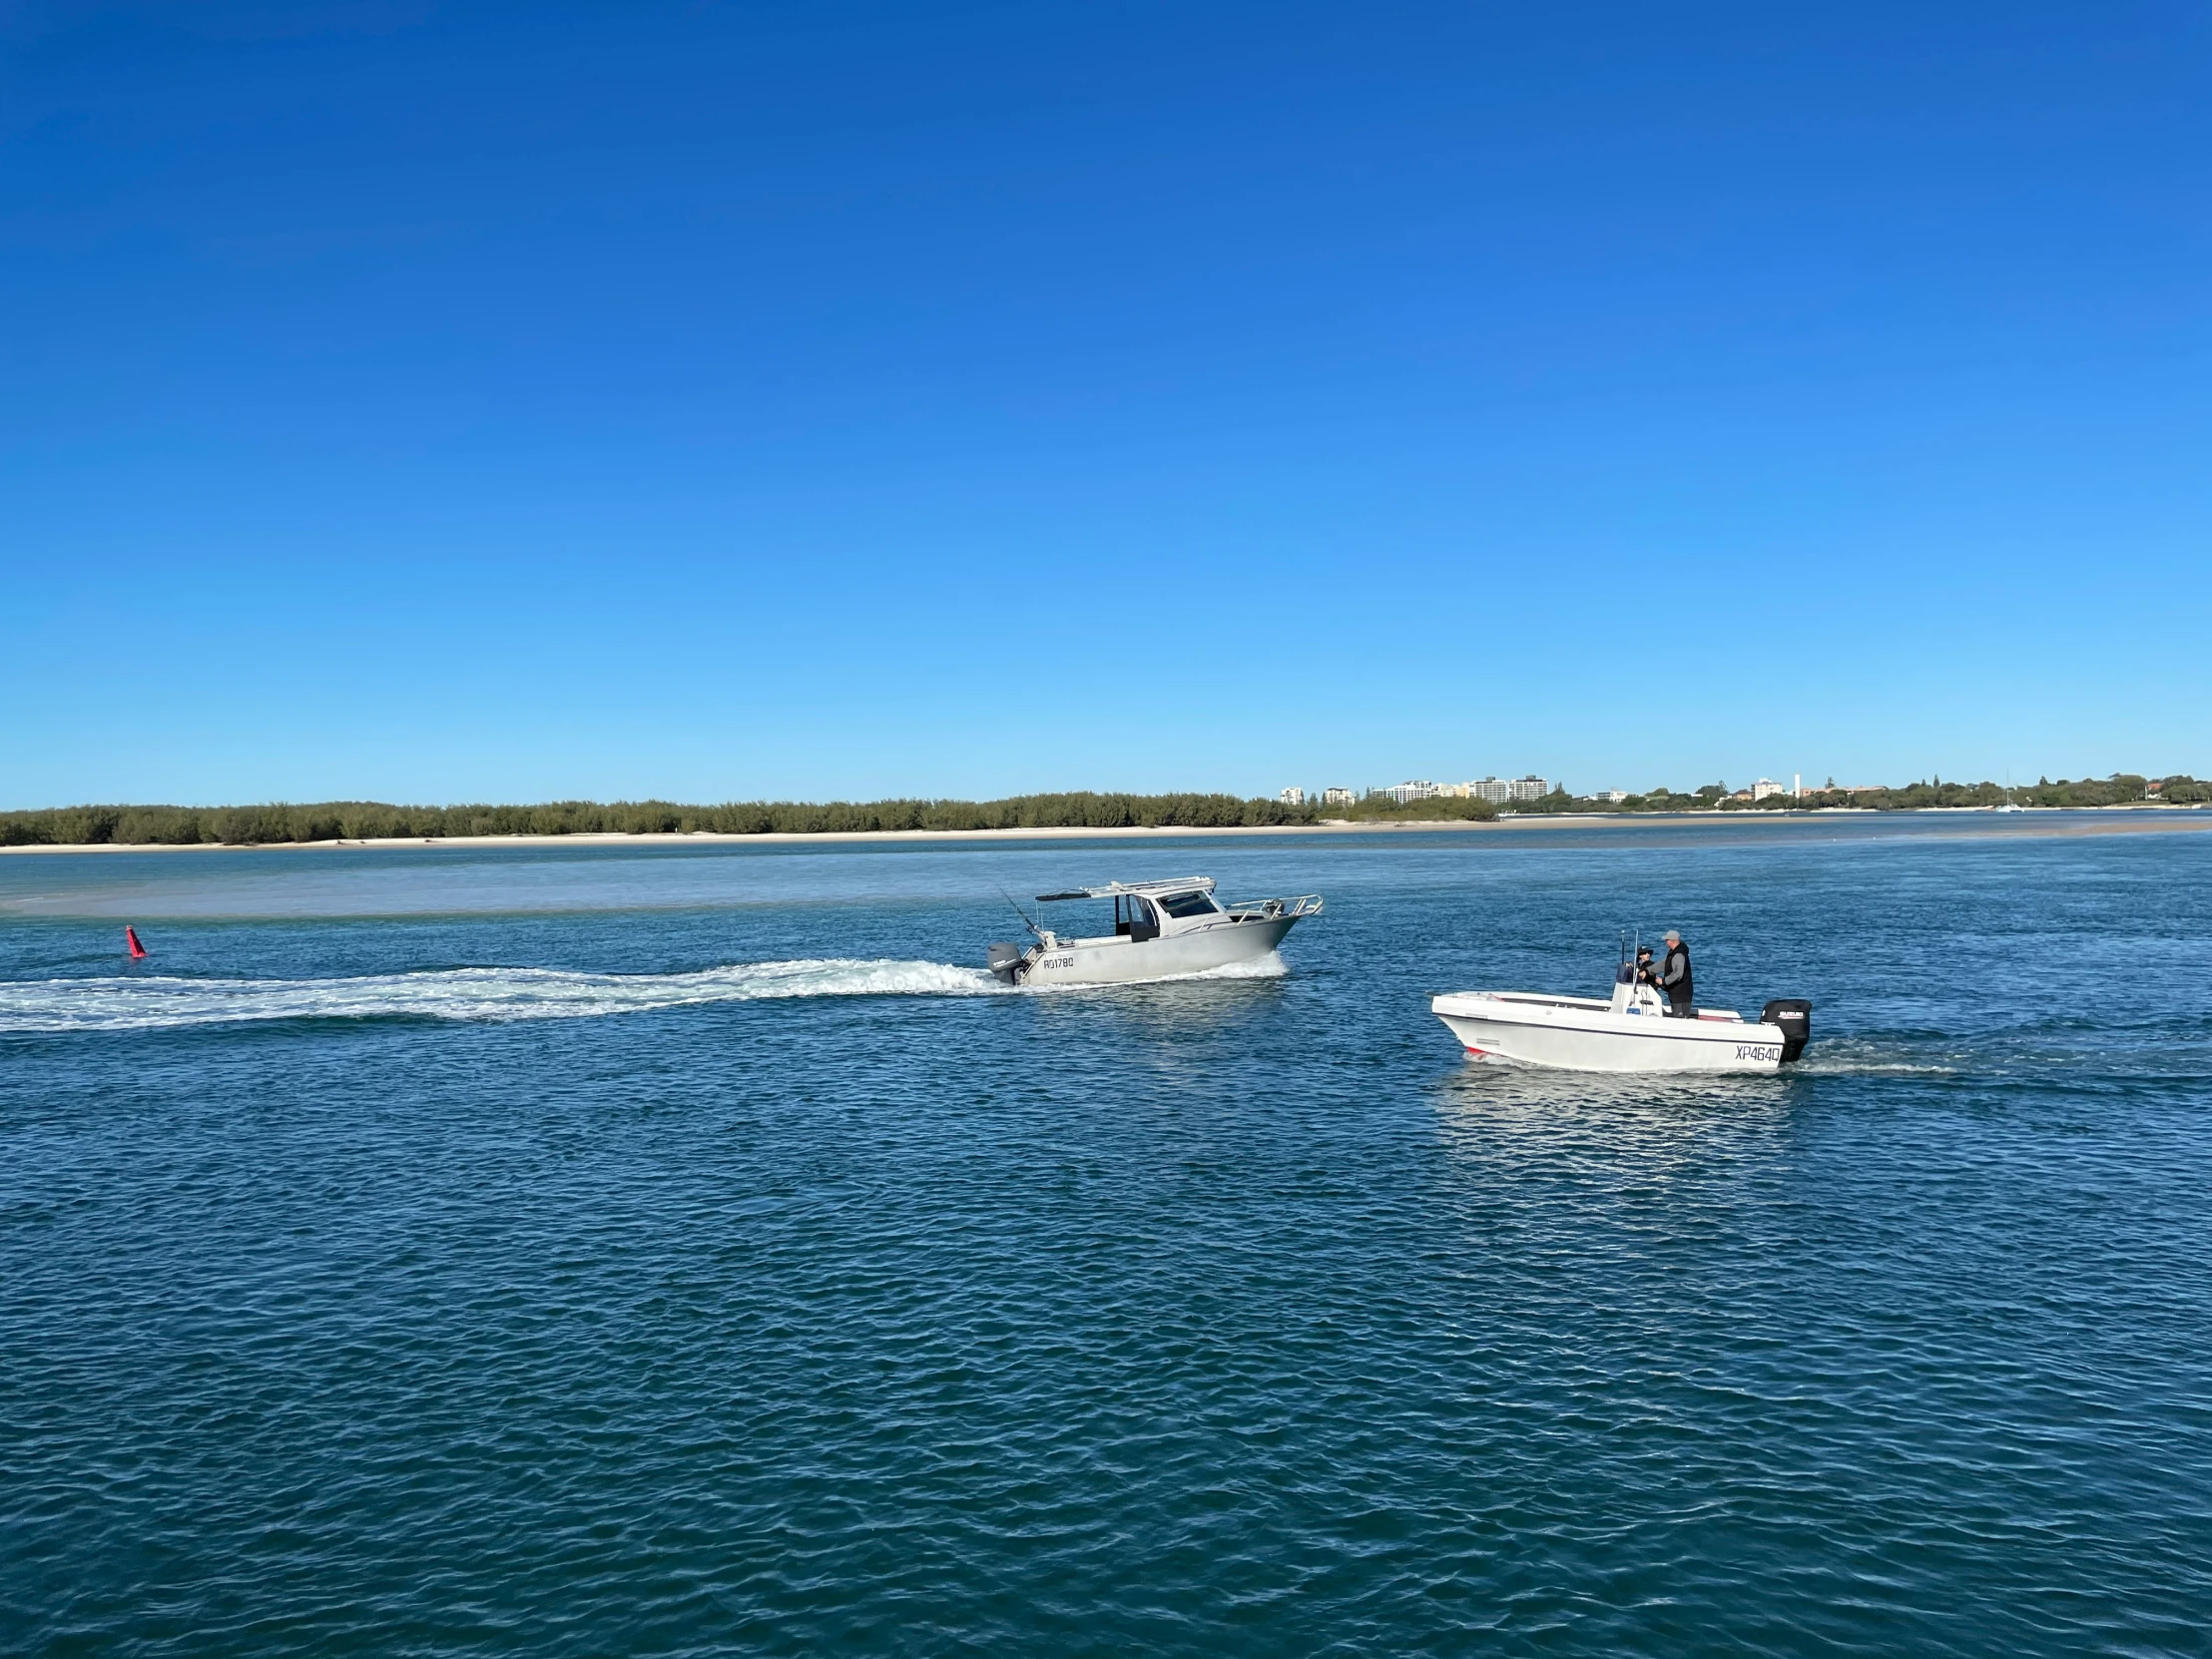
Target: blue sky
x,y
451,402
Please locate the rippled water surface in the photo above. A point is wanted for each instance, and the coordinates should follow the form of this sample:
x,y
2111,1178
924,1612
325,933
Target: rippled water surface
x,y
685,1248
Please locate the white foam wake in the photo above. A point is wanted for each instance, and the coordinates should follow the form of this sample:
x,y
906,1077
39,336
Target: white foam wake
x,y
485,994
1269,966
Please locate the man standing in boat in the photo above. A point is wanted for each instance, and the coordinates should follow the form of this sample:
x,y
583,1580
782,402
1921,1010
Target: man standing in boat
x,y
1674,976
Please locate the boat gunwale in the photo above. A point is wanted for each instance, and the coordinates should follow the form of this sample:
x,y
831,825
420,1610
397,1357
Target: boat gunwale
x,y
1661,1028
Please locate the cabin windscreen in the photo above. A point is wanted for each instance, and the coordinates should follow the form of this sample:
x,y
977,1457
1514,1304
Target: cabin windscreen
x,y
1183,906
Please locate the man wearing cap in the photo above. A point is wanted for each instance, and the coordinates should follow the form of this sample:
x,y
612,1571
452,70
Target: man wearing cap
x,y
1674,976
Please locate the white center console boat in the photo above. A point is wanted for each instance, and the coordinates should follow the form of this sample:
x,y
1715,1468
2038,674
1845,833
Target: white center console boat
x,y
1162,930
1631,1032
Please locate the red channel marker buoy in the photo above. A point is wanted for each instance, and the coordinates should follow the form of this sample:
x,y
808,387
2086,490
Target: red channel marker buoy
x,y
130,938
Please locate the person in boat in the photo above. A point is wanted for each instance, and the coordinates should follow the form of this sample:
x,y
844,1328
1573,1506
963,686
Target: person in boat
x,y
1674,976
1644,973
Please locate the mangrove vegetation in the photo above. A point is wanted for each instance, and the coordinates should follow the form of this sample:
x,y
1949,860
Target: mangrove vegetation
x,y
330,820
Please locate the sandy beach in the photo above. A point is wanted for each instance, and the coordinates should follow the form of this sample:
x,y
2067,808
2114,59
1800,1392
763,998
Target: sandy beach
x,y
1968,821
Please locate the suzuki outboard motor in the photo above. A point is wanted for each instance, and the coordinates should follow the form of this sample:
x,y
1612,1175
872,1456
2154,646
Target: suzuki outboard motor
x,y
1795,1016
1004,960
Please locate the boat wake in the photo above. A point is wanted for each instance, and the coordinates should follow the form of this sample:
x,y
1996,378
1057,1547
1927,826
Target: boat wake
x,y
148,1002
152,1002
1269,966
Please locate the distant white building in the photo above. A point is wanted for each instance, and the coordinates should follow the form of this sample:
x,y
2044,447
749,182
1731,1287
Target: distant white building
x,y
1495,790
1615,797
1766,787
1419,788
1337,797
1292,796
1531,788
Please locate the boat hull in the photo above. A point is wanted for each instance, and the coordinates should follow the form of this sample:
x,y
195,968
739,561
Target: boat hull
x,y
1121,961
1573,1034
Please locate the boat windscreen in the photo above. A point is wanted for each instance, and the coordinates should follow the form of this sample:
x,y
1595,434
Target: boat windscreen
x,y
1185,904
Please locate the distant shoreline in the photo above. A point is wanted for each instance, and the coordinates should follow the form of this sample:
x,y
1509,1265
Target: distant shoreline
x,y
2129,819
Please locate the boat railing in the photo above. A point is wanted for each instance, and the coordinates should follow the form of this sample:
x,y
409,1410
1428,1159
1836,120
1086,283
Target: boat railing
x,y
1276,909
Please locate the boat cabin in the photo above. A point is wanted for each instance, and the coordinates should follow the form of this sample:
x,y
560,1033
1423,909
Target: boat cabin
x,y
1182,928
1147,910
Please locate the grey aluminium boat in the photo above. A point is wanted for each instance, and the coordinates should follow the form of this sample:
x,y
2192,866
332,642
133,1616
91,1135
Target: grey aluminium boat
x,y
1162,930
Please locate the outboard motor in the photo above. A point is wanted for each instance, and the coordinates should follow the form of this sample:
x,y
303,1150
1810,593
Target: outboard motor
x,y
1795,1015
1004,960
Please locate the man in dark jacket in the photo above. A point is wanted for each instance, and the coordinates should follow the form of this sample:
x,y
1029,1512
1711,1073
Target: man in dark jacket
x,y
1674,976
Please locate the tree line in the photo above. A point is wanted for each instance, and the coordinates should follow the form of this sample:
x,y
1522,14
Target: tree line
x,y
328,820
375,819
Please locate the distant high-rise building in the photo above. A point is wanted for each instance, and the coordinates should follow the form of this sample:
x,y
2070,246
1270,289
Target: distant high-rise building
x,y
1496,790
1766,787
1292,796
1418,788
1531,788
1336,797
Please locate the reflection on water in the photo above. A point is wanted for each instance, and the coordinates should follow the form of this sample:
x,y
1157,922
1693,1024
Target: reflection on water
x,y
1600,1114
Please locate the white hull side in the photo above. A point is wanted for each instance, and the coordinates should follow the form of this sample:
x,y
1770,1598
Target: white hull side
x,y
1120,961
1596,1039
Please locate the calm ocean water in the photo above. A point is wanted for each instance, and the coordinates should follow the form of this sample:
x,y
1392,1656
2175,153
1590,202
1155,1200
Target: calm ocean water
x,y
686,1249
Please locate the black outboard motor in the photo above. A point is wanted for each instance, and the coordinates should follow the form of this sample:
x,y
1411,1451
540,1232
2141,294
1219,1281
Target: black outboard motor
x,y
1004,960
1795,1015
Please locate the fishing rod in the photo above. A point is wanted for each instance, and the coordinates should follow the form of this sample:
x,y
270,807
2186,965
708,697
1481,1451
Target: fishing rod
x,y
1025,921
